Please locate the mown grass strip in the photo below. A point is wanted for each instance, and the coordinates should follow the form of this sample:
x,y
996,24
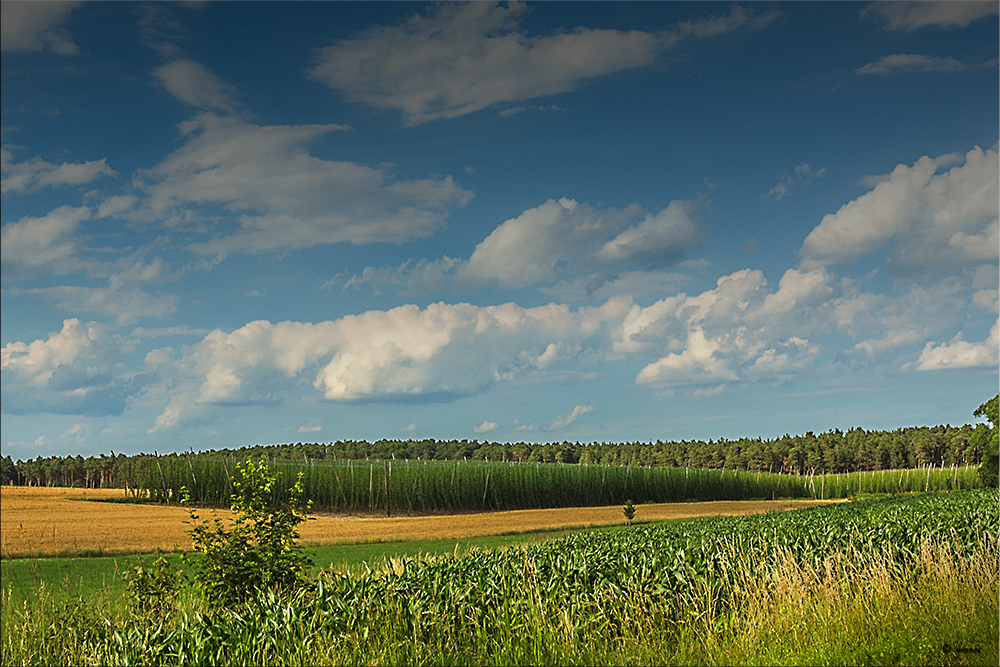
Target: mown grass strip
x,y
81,576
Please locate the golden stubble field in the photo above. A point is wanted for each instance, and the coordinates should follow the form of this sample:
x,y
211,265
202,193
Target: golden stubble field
x,y
50,521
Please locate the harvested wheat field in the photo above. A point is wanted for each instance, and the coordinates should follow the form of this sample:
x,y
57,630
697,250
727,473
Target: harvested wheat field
x,y
50,521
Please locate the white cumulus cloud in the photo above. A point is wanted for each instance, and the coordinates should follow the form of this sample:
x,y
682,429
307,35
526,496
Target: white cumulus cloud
x,y
312,427
123,298
285,197
460,58
195,84
910,62
486,427
77,370
961,354
36,26
558,239
746,330
35,174
45,243
940,13
562,421
697,363
886,324
941,222
743,329
403,354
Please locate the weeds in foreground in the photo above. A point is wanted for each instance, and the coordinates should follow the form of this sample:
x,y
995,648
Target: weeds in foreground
x,y
847,608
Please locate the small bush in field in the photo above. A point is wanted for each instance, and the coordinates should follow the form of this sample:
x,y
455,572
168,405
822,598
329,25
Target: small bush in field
x,y
628,511
258,552
152,590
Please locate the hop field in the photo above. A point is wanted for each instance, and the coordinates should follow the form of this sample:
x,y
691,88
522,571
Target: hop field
x,y
415,486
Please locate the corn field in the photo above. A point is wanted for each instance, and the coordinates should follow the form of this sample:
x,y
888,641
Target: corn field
x,y
687,592
413,486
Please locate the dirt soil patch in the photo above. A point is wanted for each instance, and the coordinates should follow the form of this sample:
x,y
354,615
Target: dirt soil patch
x,y
54,521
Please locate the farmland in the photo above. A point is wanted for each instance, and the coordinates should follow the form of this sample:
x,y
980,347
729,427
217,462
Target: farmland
x,y
421,486
731,578
60,521
793,587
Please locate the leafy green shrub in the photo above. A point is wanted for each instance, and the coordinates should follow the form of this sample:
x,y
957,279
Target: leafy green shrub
x,y
258,552
628,511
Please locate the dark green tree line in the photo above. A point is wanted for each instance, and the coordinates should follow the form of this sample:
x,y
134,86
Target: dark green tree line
x,y
834,451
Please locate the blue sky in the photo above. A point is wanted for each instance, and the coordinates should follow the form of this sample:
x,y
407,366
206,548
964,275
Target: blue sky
x,y
236,223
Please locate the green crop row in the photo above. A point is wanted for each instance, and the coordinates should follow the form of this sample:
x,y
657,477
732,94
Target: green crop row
x,y
403,486
663,561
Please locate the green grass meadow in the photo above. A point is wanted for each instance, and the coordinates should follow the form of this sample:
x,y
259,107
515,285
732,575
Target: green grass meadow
x,y
82,576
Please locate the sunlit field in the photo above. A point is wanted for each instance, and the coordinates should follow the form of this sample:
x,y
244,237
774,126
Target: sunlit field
x,y
909,579
40,521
